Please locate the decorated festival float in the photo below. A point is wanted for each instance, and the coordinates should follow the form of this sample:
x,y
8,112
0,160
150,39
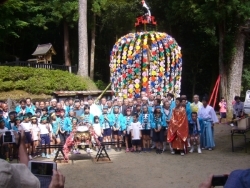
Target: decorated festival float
x,y
146,61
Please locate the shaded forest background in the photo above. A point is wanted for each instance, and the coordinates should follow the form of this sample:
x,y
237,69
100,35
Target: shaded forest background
x,y
24,24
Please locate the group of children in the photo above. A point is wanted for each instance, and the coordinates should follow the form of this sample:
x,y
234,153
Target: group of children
x,y
142,126
38,131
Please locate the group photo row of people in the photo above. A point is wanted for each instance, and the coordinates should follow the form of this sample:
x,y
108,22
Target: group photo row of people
x,y
143,123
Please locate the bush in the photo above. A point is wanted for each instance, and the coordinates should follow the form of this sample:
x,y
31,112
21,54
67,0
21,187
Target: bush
x,y
100,84
38,81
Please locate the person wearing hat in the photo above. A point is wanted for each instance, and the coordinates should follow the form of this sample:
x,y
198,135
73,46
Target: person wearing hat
x,y
106,121
178,129
118,126
208,115
53,104
158,124
128,119
35,134
27,127
45,135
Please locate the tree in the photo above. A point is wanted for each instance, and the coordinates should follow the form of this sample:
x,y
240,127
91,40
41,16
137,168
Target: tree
x,y
83,39
97,7
224,20
58,11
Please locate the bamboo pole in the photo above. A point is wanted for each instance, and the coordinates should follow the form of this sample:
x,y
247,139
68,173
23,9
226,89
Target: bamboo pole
x,y
104,91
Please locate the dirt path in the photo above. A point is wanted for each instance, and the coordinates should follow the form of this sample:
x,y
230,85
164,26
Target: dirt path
x,y
148,170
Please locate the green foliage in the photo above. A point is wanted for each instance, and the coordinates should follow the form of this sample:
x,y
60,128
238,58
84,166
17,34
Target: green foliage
x,y
98,6
38,81
100,84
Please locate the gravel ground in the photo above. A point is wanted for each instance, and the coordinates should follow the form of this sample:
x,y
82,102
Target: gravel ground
x,y
154,170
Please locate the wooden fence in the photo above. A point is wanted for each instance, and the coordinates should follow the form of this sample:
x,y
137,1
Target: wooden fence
x,y
71,69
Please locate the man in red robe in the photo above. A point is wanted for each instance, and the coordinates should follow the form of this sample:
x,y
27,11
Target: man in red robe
x,y
178,129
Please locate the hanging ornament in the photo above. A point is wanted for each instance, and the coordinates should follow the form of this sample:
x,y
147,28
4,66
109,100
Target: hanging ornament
x,y
145,61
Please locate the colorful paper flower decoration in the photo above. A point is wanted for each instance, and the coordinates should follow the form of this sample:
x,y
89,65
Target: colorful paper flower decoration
x,y
145,61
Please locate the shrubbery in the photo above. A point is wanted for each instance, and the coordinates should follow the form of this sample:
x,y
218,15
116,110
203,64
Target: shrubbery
x,y
37,81
100,84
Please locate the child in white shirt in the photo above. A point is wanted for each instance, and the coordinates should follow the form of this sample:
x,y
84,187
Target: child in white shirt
x,y
45,134
97,132
35,134
136,135
27,127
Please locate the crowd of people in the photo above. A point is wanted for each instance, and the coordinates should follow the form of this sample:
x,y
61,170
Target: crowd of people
x,y
143,123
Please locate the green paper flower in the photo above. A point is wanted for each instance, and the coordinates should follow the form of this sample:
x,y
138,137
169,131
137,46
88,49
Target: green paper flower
x,y
137,70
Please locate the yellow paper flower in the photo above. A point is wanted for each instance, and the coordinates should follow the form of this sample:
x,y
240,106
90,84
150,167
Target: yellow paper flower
x,y
144,79
130,90
137,47
137,86
161,69
153,73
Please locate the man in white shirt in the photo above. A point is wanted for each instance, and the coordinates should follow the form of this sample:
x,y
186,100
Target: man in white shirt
x,y
94,109
196,105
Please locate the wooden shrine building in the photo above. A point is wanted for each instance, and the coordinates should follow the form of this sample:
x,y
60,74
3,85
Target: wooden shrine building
x,y
43,53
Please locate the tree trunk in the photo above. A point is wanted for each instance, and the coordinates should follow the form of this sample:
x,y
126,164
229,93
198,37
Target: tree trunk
x,y
66,44
222,71
83,39
92,53
235,70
